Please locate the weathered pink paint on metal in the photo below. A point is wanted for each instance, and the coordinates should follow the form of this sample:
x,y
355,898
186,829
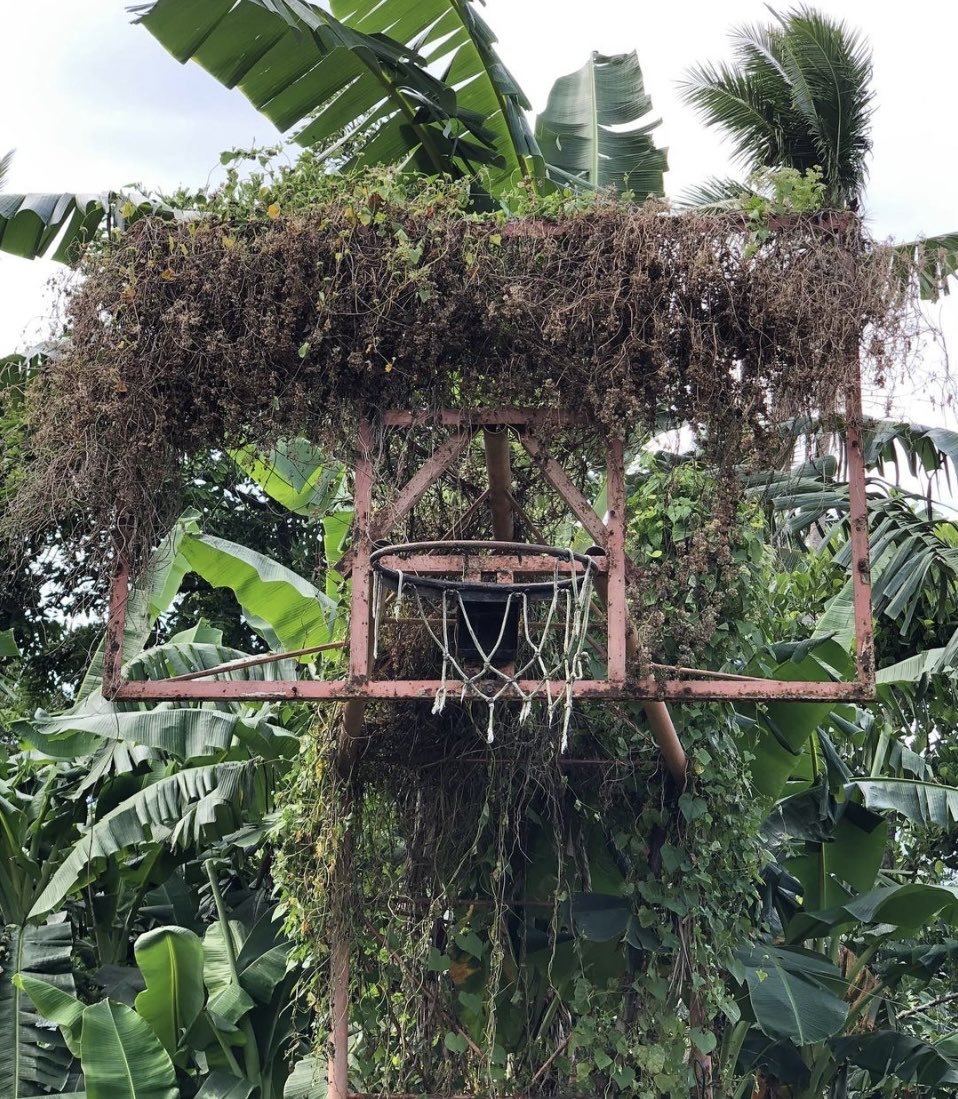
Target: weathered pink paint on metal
x,y
533,564
619,687
421,690
380,524
338,1068
557,477
482,417
428,473
116,626
359,606
616,609
858,535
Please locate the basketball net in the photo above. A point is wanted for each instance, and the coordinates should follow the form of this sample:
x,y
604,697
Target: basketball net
x,y
552,640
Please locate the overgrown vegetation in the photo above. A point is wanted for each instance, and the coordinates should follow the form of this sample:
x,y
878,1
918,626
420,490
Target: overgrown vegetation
x,y
522,917
237,330
522,920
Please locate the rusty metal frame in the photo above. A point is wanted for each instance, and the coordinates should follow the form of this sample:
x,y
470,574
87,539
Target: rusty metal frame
x,y
608,532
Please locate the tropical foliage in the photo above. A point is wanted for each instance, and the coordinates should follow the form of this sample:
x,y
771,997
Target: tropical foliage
x,y
798,95
145,944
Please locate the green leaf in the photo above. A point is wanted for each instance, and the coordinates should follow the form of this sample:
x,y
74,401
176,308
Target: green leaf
x,y
581,132
850,855
33,1059
884,1053
782,729
223,1085
703,1040
470,942
907,907
179,658
122,1058
791,993
921,802
599,917
171,961
228,999
363,69
929,261
308,1079
148,599
295,474
51,226
262,955
300,614
193,806
56,1006
181,731
455,1043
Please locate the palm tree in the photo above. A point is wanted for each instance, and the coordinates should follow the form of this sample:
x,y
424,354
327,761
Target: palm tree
x,y
798,94
5,166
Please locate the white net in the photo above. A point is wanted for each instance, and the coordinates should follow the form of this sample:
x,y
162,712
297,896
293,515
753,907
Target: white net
x,y
552,634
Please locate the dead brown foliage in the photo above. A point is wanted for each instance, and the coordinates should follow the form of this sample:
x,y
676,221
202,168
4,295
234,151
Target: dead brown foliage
x,y
203,336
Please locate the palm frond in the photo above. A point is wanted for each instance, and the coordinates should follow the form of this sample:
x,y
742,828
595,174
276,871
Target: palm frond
x,y
715,194
930,261
797,94
829,70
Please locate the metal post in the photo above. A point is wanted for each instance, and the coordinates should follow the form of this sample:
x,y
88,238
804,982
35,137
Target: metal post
x,y
116,625
624,634
615,556
858,535
337,1076
359,607
499,469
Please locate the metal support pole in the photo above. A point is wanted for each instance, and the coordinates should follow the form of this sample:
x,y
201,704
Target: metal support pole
x,y
499,469
617,613
116,626
660,720
338,1071
858,535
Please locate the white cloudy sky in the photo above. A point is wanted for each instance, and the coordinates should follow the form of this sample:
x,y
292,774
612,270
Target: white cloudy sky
x,y
93,102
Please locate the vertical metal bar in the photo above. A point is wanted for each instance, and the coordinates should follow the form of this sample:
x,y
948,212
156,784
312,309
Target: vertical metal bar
x,y
116,624
359,607
858,534
499,470
615,556
338,1071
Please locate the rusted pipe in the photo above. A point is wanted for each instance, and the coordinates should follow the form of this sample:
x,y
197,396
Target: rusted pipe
x,y
858,537
660,720
499,470
338,1072
255,661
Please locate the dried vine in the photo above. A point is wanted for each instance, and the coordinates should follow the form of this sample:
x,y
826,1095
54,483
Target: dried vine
x,y
206,335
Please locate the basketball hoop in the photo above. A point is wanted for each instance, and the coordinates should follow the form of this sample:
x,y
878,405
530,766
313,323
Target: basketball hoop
x,y
495,630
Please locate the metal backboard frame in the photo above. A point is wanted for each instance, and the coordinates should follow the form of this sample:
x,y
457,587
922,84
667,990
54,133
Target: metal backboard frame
x,y
608,532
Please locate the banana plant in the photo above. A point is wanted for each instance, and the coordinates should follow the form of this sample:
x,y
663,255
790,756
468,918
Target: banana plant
x,y
356,75
363,73
581,132
214,1011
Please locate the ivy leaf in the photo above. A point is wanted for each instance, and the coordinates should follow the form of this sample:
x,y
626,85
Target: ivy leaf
x,y
456,1043
470,942
703,1040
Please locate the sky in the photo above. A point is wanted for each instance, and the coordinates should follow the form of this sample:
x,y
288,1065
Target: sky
x,y
95,103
